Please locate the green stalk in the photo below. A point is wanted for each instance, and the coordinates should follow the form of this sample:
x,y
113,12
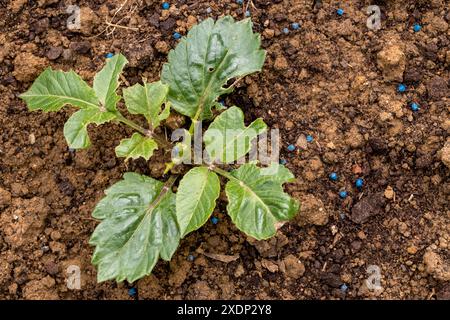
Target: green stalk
x,y
146,132
223,173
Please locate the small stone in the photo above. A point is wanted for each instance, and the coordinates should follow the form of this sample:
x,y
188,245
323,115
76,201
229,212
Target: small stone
x,y
445,154
269,265
367,207
54,53
312,211
5,198
81,47
239,271
412,250
301,142
162,47
389,193
437,88
268,33
294,268
392,61
27,66
281,63
436,265
403,229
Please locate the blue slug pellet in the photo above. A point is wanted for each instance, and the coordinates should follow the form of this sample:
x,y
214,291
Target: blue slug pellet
x,y
291,147
215,220
414,107
340,12
401,88
176,35
359,183
109,55
295,26
333,176
417,27
166,6
132,292
309,138
343,194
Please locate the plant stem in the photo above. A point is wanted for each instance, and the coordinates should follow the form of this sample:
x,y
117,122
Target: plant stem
x,y
223,173
166,188
161,141
132,124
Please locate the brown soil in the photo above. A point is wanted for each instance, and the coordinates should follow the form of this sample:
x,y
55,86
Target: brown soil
x,y
334,79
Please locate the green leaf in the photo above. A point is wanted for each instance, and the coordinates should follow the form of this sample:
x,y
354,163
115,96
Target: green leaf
x,y
54,89
138,226
165,113
75,129
147,100
196,198
278,172
228,139
257,202
204,61
106,81
136,146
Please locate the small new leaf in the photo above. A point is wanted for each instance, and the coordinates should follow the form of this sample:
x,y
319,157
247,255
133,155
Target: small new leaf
x,y
75,129
196,198
228,139
257,202
138,226
106,82
136,146
202,63
54,89
147,100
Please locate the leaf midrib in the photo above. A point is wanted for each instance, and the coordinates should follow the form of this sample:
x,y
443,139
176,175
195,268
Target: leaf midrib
x,y
61,97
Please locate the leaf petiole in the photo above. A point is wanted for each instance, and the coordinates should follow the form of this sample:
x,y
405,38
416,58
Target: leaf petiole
x,y
146,132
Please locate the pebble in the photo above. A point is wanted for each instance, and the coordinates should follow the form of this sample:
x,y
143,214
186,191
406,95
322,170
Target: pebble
x,y
414,107
417,27
343,194
295,26
312,211
333,176
291,147
340,12
412,250
176,35
54,53
293,267
367,207
389,193
401,88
